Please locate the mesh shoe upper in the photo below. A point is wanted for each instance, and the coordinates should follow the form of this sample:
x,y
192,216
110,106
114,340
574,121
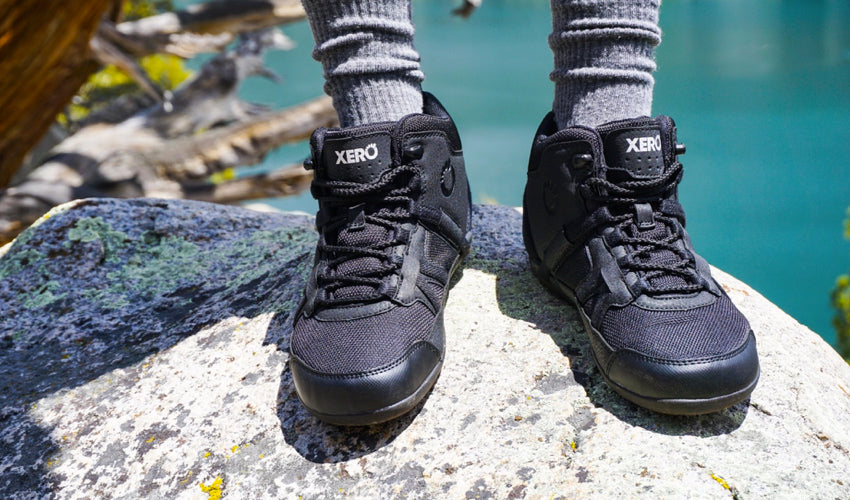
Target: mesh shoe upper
x,y
699,333
361,344
382,264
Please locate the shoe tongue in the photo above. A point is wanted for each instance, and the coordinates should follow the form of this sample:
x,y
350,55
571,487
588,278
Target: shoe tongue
x,y
659,256
633,150
363,236
358,157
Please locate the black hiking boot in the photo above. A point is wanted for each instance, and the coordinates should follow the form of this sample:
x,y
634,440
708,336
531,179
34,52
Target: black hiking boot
x,y
603,228
394,225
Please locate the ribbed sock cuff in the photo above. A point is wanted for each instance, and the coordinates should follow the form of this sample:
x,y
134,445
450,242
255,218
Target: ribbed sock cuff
x,y
604,59
366,49
372,98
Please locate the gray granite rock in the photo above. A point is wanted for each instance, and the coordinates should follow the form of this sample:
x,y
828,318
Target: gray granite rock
x,y
143,350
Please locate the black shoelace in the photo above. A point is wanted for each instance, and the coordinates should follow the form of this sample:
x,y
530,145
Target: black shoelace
x,y
379,209
654,253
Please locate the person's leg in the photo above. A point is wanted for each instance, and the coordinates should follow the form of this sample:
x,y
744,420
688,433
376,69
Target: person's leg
x,y
604,228
366,49
603,59
394,222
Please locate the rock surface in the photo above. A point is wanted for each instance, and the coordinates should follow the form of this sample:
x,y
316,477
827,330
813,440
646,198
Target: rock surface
x,y
143,350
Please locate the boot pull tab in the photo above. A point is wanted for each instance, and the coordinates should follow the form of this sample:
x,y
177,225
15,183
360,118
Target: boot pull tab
x,y
644,217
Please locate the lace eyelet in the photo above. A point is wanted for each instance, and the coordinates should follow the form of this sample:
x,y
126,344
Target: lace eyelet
x,y
582,161
413,151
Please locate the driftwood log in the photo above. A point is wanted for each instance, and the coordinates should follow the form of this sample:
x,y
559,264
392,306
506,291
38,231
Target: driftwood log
x,y
200,28
52,46
170,149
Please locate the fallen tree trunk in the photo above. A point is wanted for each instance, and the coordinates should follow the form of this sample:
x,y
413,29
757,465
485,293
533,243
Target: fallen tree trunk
x,y
125,161
285,181
170,149
47,46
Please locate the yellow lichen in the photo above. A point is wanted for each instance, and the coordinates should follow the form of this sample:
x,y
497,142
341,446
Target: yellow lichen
x,y
150,439
720,480
213,490
573,445
207,455
235,448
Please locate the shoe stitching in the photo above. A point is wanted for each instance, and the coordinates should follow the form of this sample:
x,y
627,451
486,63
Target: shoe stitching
x,y
375,371
698,361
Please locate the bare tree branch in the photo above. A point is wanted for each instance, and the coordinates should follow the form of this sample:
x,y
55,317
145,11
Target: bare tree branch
x,y
124,161
106,53
242,143
281,182
171,148
206,27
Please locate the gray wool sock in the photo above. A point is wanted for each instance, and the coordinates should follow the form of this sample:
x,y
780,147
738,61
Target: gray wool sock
x,y
604,59
366,49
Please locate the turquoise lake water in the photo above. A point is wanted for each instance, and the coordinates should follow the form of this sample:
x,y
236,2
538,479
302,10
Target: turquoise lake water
x,y
760,91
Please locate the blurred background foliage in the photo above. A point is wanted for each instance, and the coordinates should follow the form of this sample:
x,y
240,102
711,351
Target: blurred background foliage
x,y
110,83
841,303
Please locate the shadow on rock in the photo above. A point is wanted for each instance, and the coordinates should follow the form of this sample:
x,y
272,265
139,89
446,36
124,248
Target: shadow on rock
x,y
323,443
521,296
108,283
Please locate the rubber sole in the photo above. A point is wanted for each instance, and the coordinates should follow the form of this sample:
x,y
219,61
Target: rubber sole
x,y
696,406
387,413
686,407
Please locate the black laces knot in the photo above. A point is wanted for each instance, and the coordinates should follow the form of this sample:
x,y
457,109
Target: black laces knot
x,y
362,224
651,233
